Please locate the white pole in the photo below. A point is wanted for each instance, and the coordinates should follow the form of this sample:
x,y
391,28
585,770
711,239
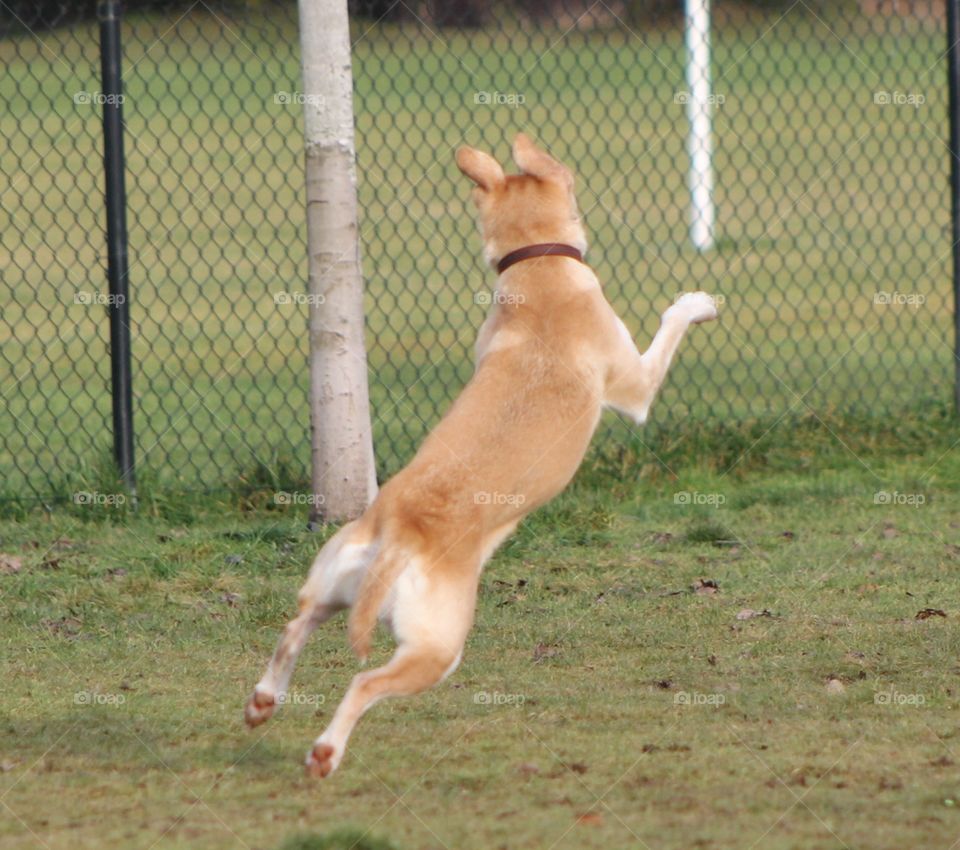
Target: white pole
x,y
344,478
700,141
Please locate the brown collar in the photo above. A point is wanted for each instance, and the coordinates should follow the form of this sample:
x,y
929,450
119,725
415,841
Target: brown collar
x,y
548,249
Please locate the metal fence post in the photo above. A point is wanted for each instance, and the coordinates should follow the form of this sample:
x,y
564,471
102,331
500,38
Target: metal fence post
x,y
109,14
953,79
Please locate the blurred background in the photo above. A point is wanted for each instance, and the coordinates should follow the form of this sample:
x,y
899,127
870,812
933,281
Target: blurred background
x,y
832,252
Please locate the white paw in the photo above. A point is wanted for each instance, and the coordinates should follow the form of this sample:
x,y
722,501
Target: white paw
x,y
261,706
694,307
323,759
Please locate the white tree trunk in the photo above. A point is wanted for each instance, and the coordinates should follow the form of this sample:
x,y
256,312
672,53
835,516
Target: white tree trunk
x,y
344,477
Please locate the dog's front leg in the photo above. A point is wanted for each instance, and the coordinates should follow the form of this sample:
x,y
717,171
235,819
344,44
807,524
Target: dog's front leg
x,y
635,378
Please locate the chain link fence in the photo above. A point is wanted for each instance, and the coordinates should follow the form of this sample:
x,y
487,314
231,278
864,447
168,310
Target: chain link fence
x,y
831,188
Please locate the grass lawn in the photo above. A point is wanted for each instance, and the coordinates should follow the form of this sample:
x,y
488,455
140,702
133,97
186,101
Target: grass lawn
x,y
714,655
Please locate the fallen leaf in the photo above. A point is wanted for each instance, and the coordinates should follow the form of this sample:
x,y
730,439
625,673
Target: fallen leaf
x,y
835,686
68,627
10,564
578,767
927,613
705,587
590,819
669,748
544,650
750,614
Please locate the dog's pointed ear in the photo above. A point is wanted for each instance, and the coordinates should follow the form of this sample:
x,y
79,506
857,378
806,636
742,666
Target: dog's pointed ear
x,y
537,163
480,167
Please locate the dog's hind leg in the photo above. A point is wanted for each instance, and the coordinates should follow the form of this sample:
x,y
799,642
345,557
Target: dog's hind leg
x,y
330,586
430,619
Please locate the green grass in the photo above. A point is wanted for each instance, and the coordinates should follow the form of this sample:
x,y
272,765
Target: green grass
x,y
616,690
602,701
824,199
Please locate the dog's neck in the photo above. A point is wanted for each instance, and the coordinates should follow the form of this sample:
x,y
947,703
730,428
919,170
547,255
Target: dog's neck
x,y
544,249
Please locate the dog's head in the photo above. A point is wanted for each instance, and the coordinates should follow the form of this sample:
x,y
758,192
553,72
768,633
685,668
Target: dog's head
x,y
530,208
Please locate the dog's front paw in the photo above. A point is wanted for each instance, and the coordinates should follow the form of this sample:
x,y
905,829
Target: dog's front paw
x,y
694,307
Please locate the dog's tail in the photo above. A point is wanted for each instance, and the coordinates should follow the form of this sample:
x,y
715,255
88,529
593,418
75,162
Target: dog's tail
x,y
377,581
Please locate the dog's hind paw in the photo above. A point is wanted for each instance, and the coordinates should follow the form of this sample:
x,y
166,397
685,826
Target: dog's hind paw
x,y
321,761
260,708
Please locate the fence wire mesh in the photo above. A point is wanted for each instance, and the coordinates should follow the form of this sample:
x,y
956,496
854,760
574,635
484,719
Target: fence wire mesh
x,y
831,189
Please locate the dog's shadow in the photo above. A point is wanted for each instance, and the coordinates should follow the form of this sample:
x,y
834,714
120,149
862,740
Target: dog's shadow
x,y
101,738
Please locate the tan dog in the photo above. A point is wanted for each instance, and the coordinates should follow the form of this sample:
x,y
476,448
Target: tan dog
x,y
551,354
